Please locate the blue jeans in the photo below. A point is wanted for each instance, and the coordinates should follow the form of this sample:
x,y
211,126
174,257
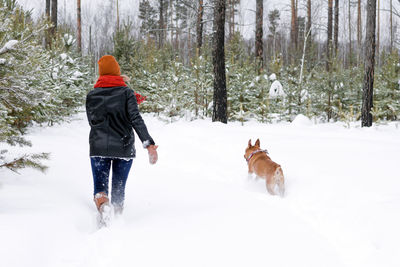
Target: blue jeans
x,y
101,172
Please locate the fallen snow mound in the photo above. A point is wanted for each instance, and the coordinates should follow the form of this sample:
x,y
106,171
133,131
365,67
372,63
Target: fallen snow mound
x,y
302,120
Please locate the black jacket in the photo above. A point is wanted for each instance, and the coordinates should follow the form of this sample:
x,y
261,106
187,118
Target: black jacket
x,y
112,112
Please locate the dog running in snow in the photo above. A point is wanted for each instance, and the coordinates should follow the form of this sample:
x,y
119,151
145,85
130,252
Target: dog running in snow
x,y
261,164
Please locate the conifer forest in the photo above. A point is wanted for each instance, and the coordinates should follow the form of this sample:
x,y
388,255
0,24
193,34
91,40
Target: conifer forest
x,y
330,60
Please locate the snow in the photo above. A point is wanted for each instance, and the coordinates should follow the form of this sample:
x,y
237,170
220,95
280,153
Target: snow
x,y
63,56
197,207
276,90
272,77
3,61
301,120
8,46
68,39
77,74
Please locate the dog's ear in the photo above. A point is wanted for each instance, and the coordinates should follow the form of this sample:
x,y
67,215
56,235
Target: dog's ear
x,y
257,143
249,142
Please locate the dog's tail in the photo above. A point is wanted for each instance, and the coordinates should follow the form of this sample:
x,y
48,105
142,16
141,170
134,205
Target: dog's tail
x,y
280,181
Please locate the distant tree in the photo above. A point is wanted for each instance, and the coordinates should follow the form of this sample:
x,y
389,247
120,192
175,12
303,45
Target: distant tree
x,y
336,29
294,26
79,26
48,32
378,34
117,15
161,23
350,36
199,26
309,21
368,89
329,37
259,35
231,12
273,17
391,26
359,30
148,16
220,95
54,11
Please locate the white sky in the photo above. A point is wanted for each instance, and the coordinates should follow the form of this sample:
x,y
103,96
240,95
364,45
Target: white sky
x,y
129,8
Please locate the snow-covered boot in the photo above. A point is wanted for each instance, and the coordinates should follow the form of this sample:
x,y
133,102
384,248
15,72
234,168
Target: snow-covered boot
x,y
104,208
100,199
118,209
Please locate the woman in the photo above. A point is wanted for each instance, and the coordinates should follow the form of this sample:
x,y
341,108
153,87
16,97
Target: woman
x,y
112,112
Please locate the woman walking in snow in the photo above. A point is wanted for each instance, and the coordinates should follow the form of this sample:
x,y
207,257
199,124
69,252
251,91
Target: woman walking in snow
x,y
112,112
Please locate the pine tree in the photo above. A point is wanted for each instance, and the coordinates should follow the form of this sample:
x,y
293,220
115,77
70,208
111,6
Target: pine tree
x,y
37,85
148,16
273,18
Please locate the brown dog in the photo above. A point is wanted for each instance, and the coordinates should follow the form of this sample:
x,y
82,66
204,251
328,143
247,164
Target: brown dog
x,y
261,164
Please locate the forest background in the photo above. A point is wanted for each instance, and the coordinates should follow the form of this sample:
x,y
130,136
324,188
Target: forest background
x,y
283,58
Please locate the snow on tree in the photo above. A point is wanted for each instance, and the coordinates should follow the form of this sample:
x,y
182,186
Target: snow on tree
x,y
276,90
29,92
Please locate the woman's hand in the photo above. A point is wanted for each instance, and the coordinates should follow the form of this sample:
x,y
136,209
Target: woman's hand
x,y
153,156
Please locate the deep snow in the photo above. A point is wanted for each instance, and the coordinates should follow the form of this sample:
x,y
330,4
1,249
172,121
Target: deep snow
x,y
197,207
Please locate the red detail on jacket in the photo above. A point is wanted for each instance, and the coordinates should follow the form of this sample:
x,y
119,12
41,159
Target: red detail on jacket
x,y
114,81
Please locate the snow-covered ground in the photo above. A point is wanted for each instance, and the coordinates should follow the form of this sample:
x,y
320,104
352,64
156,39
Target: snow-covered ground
x,y
197,207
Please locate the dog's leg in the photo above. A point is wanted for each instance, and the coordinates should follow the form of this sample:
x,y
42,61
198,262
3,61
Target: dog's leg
x,y
280,181
281,185
270,187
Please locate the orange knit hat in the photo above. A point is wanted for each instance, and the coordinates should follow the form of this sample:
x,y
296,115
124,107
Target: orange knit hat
x,y
108,66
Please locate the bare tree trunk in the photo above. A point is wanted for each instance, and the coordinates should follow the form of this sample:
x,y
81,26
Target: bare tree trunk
x,y
378,33
259,35
161,25
176,31
117,16
231,17
90,40
350,41
329,56
329,38
79,26
391,26
48,32
306,36
359,31
336,30
293,29
171,21
189,38
53,18
368,89
309,21
199,27
220,95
